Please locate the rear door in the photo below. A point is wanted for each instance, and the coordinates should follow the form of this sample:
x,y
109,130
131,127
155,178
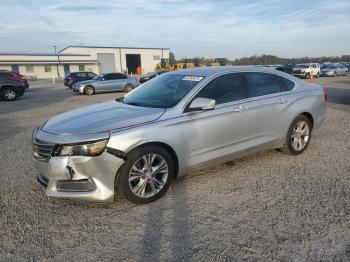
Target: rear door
x,y
269,98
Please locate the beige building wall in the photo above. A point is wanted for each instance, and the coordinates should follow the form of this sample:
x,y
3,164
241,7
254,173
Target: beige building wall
x,y
149,57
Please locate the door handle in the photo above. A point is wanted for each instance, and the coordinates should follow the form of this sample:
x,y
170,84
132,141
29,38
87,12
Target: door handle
x,y
240,109
282,101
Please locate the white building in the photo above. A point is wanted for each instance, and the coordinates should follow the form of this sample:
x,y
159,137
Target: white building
x,y
84,58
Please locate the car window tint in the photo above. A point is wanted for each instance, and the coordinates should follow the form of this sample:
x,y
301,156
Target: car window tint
x,y
121,76
109,76
224,89
81,74
91,75
5,75
260,84
285,84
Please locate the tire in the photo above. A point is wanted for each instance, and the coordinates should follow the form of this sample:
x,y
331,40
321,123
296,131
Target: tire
x,y
130,186
128,88
89,90
8,94
335,73
318,75
290,147
307,76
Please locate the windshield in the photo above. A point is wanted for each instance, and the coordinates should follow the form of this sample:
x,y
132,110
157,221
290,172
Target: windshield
x,y
97,77
164,91
332,67
302,66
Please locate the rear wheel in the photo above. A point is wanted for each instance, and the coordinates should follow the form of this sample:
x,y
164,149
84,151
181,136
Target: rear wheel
x,y
298,136
128,88
89,90
318,75
146,175
8,94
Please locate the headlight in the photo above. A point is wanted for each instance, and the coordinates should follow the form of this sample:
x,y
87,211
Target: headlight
x,y
88,149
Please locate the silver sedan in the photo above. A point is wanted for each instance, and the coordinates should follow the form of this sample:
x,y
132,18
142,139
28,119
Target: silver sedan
x,y
170,125
111,82
334,70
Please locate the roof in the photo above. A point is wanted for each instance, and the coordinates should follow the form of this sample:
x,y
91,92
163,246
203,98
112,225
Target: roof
x,y
214,70
118,47
38,54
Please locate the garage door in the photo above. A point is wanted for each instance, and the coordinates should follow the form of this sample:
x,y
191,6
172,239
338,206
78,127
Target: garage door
x,y
106,63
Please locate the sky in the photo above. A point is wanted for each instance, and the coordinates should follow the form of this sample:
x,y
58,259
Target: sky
x,y
209,28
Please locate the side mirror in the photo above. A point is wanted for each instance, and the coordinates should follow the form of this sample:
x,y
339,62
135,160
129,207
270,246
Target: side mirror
x,y
201,103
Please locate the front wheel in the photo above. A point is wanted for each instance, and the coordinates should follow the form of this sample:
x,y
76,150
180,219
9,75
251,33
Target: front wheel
x,y
128,88
146,175
8,94
89,90
298,136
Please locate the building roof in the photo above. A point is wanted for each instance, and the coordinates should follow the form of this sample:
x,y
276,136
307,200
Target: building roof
x,y
38,54
118,47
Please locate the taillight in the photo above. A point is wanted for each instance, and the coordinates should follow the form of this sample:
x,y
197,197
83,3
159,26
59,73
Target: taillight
x,y
325,95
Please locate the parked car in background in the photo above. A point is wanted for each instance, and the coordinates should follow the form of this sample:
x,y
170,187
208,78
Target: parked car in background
x,y
12,85
178,121
334,70
306,70
145,78
76,77
287,68
347,65
106,83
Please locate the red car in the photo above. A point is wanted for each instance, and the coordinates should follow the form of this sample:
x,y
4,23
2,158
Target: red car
x,y
21,78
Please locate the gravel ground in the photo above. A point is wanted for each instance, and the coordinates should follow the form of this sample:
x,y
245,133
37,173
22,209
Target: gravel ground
x,y
268,206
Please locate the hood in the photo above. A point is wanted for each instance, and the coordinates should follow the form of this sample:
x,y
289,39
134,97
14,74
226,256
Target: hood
x,y
101,117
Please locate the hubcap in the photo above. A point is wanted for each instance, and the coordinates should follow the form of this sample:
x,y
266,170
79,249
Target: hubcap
x,y
128,89
148,175
10,94
300,135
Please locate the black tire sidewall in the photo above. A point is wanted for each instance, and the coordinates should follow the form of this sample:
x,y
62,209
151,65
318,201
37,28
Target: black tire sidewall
x,y
123,173
289,134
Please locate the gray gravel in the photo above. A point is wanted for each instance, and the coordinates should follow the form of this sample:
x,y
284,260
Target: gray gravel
x,y
268,206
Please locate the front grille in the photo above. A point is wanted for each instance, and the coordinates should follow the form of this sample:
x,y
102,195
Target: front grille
x,y
42,150
298,72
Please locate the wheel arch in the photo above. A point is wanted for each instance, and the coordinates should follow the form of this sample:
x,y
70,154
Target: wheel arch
x,y
310,117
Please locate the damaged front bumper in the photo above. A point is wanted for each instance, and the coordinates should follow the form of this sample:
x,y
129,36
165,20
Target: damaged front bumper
x,y
75,177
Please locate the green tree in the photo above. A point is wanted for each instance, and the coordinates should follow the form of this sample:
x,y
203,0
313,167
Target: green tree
x,y
172,59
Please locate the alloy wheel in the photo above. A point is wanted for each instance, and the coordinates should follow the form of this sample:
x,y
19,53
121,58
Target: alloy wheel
x,y
9,94
148,175
300,135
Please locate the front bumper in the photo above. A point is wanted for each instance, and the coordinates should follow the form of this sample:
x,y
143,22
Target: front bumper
x,y
299,74
79,177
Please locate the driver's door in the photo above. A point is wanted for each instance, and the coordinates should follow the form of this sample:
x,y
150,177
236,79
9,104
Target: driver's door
x,y
225,130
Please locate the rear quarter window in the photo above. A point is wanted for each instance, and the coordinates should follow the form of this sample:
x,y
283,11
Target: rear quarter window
x,y
286,84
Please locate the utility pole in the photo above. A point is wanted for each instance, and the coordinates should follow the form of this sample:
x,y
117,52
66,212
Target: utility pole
x,y
58,61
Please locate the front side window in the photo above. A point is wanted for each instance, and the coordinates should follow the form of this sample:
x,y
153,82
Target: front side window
x,y
164,91
260,84
121,76
91,74
224,89
109,76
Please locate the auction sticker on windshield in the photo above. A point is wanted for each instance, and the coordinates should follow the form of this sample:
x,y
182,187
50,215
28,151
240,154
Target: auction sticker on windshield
x,y
193,78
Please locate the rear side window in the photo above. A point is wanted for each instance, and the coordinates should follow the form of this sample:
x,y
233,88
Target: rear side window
x,y
261,84
286,84
224,89
109,76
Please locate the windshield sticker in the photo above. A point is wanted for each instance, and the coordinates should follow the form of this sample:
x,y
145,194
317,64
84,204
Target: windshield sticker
x,y
193,78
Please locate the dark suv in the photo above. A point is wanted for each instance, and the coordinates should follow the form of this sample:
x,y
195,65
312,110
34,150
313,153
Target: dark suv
x,y
12,85
76,77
